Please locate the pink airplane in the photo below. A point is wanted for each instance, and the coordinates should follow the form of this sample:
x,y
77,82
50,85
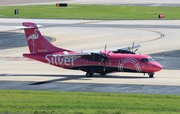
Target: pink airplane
x,y
102,62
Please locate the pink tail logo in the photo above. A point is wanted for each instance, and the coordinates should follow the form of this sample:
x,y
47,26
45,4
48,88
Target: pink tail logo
x,y
33,37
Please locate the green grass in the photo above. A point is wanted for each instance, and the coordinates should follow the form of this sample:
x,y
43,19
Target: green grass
x,y
47,102
106,12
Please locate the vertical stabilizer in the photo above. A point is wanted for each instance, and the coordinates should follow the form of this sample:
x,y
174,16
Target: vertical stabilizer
x,y
36,42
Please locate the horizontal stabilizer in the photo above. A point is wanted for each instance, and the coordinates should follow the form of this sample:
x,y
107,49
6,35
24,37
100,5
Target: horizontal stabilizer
x,y
27,27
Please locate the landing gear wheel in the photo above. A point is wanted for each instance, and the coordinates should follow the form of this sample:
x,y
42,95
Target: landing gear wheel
x,y
151,75
103,73
89,74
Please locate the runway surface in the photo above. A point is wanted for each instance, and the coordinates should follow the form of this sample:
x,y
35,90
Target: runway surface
x,y
159,38
114,2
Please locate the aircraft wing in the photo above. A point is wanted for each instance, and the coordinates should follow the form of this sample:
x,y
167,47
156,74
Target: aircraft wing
x,y
91,56
97,56
76,54
129,47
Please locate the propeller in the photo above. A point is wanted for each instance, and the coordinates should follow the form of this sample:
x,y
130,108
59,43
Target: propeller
x,y
105,57
132,46
131,50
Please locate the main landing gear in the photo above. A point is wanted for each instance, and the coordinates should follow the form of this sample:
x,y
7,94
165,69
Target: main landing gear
x,y
102,73
151,75
89,74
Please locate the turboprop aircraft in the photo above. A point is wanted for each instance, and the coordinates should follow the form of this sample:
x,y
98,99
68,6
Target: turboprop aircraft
x,y
102,62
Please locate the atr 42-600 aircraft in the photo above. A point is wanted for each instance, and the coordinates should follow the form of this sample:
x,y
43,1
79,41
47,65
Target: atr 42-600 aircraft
x,y
102,62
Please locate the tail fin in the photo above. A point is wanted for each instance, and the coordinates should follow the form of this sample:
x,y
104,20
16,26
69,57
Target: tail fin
x,y
36,42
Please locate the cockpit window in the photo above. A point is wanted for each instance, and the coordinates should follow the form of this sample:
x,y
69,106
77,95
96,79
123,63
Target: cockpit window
x,y
150,59
144,60
147,60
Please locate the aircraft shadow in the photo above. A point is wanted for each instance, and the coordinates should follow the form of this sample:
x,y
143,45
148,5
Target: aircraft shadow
x,y
73,77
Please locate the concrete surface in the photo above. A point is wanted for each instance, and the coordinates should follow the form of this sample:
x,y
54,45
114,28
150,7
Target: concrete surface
x,y
76,35
114,2
156,37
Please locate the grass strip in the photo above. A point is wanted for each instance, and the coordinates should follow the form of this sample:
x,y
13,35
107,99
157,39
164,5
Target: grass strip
x,y
50,102
105,12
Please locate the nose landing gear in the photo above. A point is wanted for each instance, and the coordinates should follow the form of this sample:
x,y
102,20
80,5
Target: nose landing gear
x,y
151,75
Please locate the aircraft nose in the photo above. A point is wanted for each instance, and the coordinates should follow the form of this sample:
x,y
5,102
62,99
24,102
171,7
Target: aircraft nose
x,y
158,66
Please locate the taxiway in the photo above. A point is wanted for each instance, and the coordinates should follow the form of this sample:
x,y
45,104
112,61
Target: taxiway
x,y
160,38
20,73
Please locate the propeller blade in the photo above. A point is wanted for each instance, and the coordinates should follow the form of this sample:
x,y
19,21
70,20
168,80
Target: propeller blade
x,y
135,50
108,52
105,58
129,48
132,46
104,65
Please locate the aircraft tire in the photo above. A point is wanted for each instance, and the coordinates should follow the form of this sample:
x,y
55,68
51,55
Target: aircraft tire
x,y
102,73
89,74
151,75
